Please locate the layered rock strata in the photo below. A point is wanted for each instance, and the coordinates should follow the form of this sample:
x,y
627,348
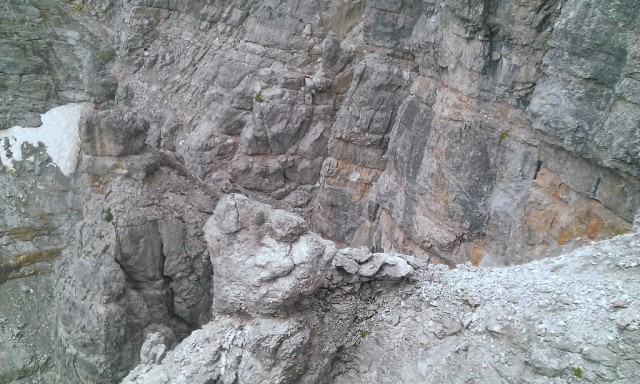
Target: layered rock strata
x,y
426,128
452,130
491,132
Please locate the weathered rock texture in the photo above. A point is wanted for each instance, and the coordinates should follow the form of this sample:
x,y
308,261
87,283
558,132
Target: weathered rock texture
x,y
138,262
284,301
564,320
494,144
452,130
494,132
532,323
93,263
51,55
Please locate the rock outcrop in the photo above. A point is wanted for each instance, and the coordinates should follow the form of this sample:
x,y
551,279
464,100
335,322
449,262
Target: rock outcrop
x,y
284,301
280,318
432,129
51,56
138,262
492,132
450,130
474,119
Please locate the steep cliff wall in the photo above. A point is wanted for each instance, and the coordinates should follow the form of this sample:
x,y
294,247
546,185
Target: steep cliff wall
x,y
452,130
494,132
499,140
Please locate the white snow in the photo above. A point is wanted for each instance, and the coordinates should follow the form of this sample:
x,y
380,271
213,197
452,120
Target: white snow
x,y
58,132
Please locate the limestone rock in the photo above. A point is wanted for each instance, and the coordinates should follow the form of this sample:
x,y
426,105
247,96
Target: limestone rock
x,y
137,251
153,349
270,278
262,259
540,348
259,351
265,262
532,323
112,132
43,50
548,362
490,133
98,82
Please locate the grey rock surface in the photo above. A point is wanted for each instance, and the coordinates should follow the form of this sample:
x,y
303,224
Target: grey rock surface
x,y
138,265
477,127
49,57
284,300
588,86
549,321
555,320
414,127
39,207
265,262
114,131
493,133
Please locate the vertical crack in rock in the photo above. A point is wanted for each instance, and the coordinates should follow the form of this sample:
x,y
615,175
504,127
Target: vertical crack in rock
x,y
243,178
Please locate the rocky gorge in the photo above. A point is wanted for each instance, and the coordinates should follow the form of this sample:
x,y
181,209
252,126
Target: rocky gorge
x,y
319,191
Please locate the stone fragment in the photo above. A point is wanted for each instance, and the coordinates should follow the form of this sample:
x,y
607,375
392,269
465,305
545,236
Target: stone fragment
x,y
566,346
548,362
623,321
395,267
153,349
620,304
372,266
495,326
285,226
600,355
226,214
450,325
345,262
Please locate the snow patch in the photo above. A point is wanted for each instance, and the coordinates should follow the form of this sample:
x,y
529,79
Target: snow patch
x,y
59,133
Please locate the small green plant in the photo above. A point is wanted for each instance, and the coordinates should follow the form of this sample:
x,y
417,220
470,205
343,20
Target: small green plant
x,y
577,372
107,215
364,333
503,135
259,97
105,249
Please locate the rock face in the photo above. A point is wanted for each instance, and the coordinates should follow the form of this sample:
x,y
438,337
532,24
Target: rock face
x,y
113,132
492,132
474,122
138,262
284,301
450,130
44,49
530,323
427,128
